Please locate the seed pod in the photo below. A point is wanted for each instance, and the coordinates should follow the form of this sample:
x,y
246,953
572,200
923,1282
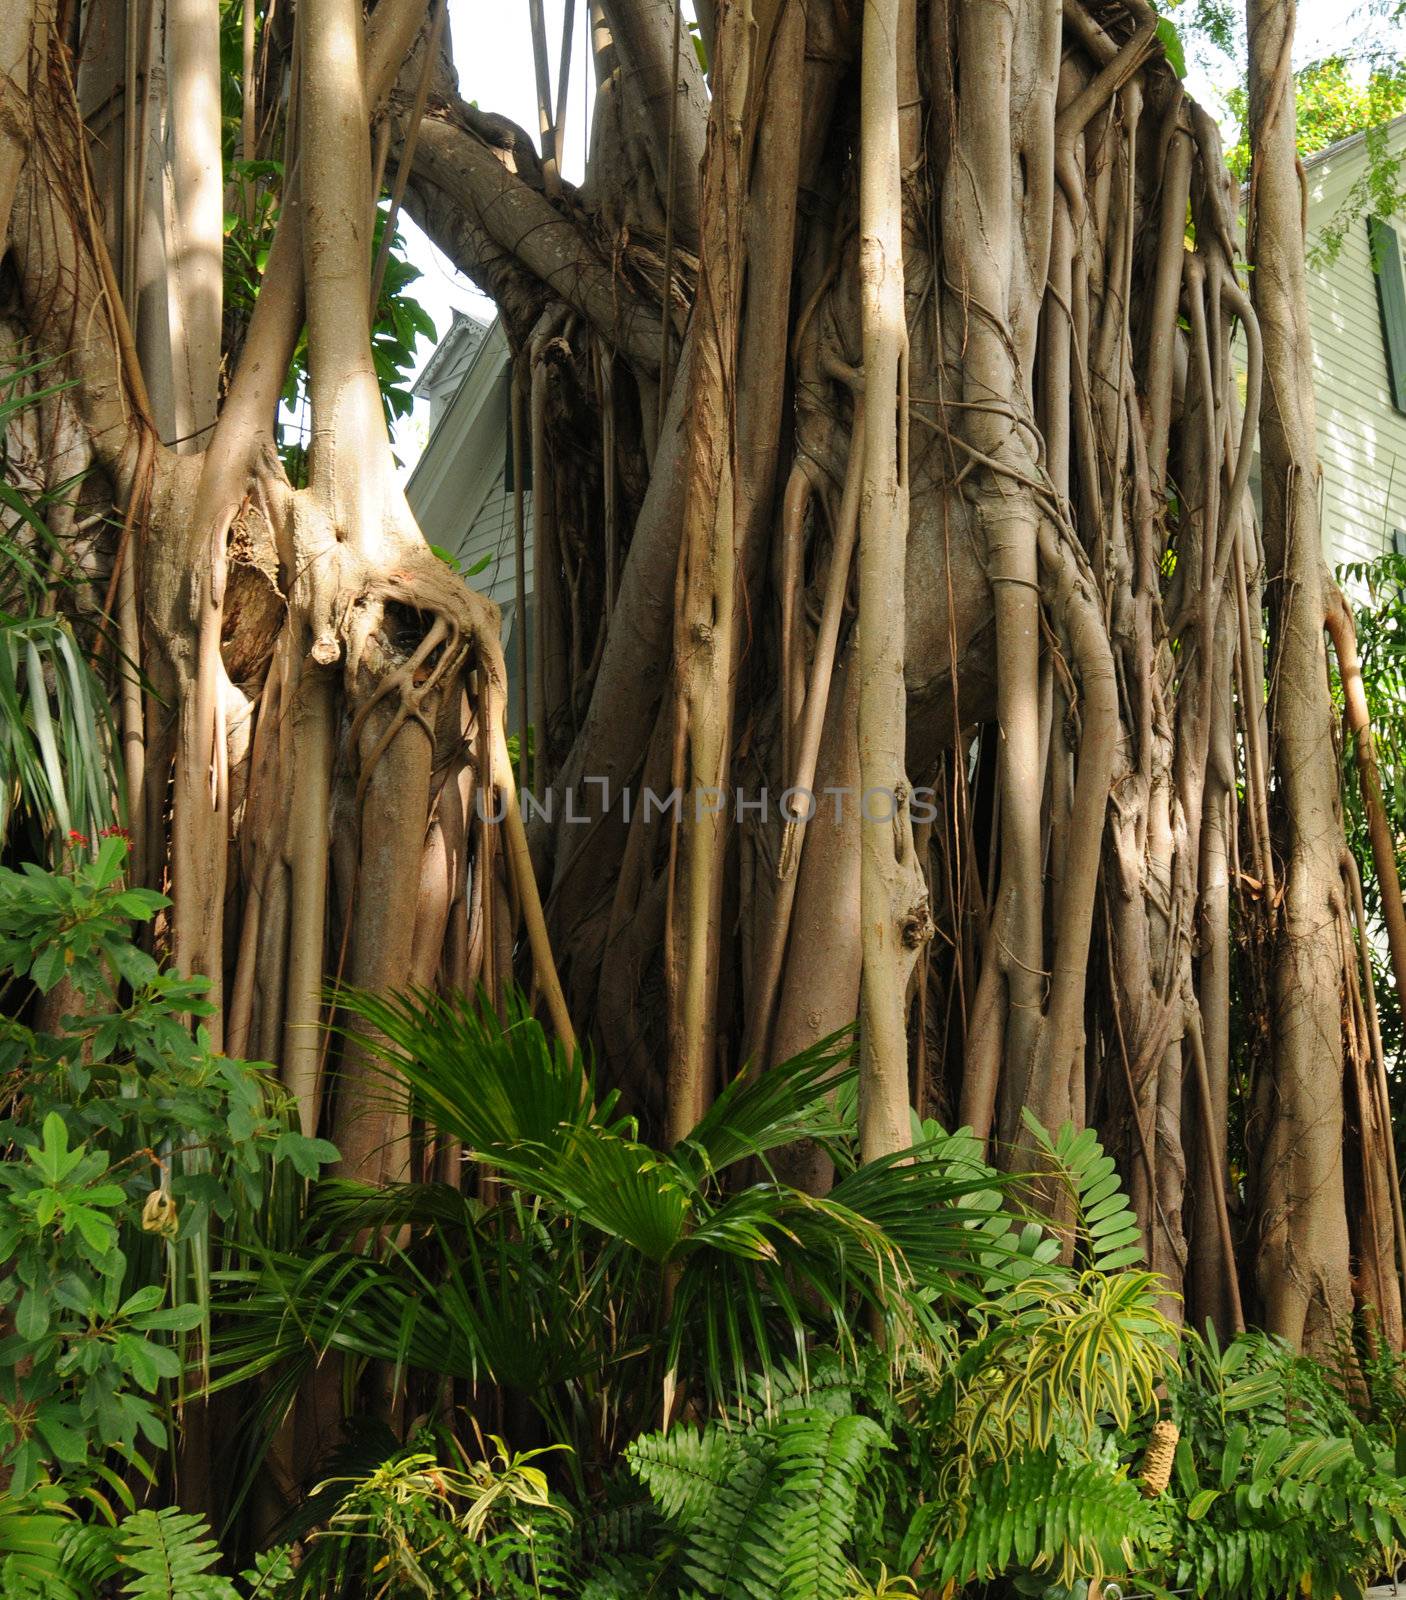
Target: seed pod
x,y
159,1214
1157,1461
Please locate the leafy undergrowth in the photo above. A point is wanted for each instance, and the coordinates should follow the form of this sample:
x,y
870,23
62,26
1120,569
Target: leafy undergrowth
x,y
911,1386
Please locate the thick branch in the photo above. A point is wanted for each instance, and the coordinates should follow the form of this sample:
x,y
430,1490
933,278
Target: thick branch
x,y
350,447
525,225
1369,776
643,35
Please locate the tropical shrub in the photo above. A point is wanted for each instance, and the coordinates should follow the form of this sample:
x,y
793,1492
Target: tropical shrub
x,y
416,1523
131,1145
57,754
611,1281
1016,1454
1282,1484
996,1430
1002,1447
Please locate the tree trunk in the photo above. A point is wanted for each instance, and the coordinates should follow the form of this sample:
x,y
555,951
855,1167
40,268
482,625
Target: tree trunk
x,y
857,395
1304,1268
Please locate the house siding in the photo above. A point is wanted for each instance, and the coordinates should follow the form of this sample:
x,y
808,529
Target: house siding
x,y
460,498
1361,435
458,491
492,536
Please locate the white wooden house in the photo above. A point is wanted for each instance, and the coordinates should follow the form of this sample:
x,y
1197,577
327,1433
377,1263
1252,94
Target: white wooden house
x,y
1358,313
461,489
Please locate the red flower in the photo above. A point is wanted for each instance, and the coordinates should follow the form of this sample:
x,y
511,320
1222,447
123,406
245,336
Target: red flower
x,y
74,837
115,833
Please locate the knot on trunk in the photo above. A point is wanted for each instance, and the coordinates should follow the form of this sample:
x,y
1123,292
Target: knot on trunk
x,y
915,926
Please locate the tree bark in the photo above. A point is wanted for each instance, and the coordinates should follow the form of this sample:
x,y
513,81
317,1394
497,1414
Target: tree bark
x,y
919,286
1304,1276
893,904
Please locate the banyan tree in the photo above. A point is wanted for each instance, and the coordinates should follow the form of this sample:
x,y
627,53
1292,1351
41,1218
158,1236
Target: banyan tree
x,y
909,648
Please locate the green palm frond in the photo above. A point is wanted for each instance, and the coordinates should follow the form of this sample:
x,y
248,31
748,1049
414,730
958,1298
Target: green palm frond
x,y
494,1086
940,1214
754,1270
32,1535
505,1301
760,1270
796,1099
623,1189
1007,1251
343,1206
609,1274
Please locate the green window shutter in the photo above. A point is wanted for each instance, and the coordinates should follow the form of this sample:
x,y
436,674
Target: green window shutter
x,y
1391,297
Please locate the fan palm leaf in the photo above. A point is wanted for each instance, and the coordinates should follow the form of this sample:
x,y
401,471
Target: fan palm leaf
x,y
611,1269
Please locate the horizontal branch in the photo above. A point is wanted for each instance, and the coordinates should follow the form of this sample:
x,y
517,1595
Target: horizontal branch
x,y
522,222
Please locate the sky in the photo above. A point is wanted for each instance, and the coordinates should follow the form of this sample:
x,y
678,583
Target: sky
x,y
493,56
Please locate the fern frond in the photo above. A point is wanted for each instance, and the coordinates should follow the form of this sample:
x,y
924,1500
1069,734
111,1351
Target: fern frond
x,y
714,1488
684,1470
766,1513
91,1554
615,1578
1249,1561
824,1382
823,1460
1105,1224
731,1552
1036,1513
166,1555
